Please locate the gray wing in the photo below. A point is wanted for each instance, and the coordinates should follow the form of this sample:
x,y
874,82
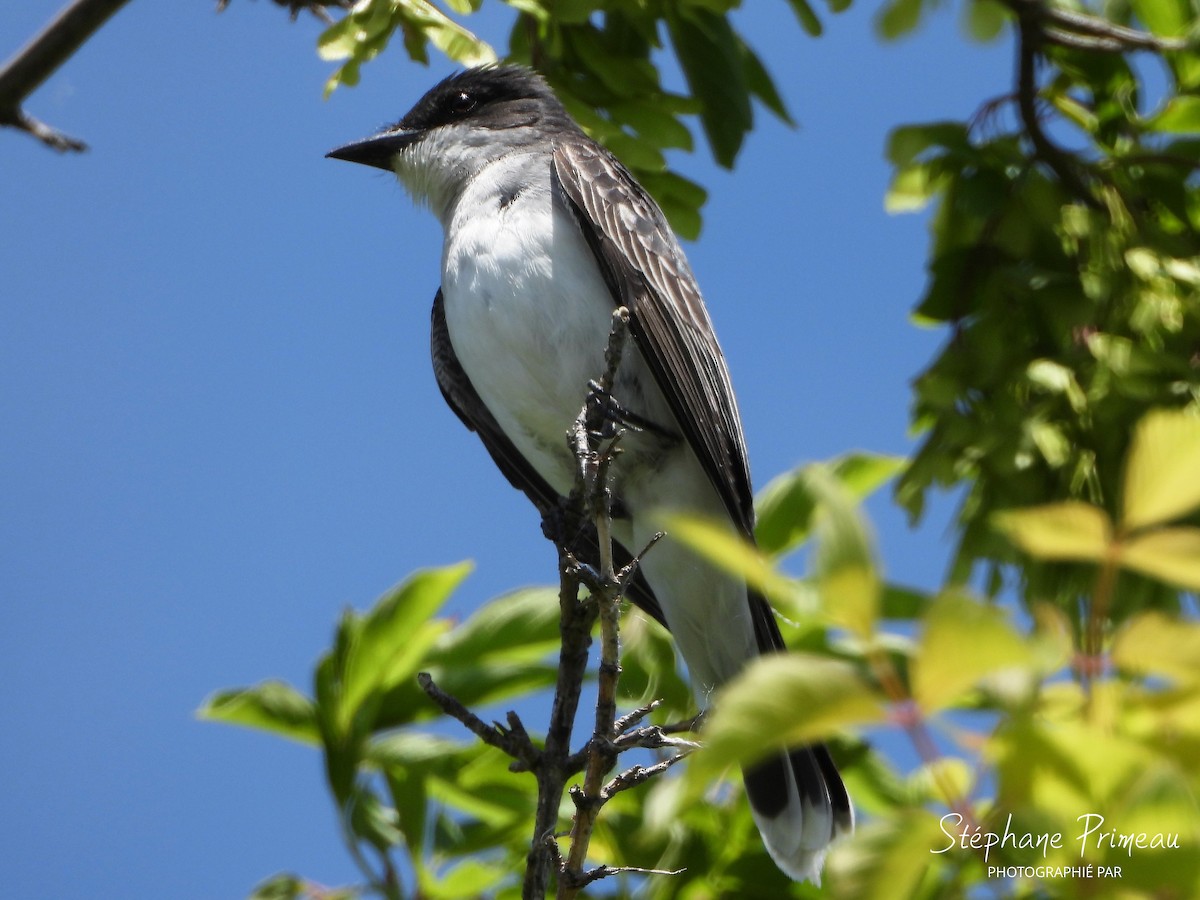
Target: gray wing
x,y
646,270
462,398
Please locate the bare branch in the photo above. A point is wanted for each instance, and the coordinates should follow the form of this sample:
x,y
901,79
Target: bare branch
x,y
37,61
512,740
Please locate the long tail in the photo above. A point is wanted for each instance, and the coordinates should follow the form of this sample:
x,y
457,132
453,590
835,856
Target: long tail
x,y
797,798
800,805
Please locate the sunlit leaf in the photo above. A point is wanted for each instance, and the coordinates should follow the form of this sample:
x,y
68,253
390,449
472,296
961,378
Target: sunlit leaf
x,y
1162,472
1180,115
718,543
942,780
1152,644
785,506
1069,530
778,701
270,706
963,642
985,19
887,857
1168,554
390,639
844,564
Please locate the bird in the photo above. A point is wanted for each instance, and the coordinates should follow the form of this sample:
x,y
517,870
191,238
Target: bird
x,y
546,234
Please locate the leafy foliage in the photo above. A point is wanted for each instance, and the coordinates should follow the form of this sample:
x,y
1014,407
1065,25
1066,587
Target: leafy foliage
x,y
1064,405
604,60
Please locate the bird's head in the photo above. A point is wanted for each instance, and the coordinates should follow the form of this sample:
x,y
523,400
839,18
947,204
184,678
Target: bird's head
x,y
459,126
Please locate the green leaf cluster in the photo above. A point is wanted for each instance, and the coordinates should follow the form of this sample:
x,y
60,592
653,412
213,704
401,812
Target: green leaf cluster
x,y
1071,306
1011,729
604,59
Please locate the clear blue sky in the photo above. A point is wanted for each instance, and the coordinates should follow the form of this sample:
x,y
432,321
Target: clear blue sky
x,y
220,425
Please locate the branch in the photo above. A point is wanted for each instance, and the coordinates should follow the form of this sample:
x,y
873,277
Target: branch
x,y
593,440
37,61
316,7
1029,39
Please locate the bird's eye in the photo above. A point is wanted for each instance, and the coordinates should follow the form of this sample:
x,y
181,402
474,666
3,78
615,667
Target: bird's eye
x,y
462,103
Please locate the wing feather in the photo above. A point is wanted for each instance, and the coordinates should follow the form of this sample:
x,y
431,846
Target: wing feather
x,y
646,270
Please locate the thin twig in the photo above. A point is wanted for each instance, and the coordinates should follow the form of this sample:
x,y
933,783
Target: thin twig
x,y
514,740
25,71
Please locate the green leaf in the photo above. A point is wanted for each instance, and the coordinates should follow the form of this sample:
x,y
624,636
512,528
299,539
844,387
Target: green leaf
x,y
887,858
270,706
470,878
761,85
718,543
1068,530
1152,644
1162,472
1165,18
846,572
913,187
932,781
807,17
963,642
794,698
709,54
388,643
284,886
519,626
898,18
909,142
1168,554
785,506
1180,115
985,19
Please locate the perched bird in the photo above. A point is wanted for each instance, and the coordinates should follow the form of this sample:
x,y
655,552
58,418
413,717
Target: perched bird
x,y
546,233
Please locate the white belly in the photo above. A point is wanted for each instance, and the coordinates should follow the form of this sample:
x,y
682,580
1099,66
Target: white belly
x,y
528,314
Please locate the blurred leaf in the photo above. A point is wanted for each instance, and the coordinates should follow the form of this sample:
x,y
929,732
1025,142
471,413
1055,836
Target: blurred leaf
x,y
1152,644
900,602
963,642
887,858
912,188
785,506
940,781
807,17
717,542
518,626
985,19
270,706
1162,472
1069,530
795,699
1169,554
388,643
374,821
844,564
284,886
898,18
470,878
1165,18
1179,115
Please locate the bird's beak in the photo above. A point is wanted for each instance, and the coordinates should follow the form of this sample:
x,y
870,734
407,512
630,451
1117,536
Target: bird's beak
x,y
378,150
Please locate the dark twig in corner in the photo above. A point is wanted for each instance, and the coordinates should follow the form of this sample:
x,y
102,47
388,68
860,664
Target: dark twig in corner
x,y
37,61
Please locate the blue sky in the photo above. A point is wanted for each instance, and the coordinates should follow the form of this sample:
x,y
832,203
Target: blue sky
x,y
220,425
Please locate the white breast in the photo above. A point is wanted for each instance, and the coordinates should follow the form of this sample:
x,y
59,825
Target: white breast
x,y
527,309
